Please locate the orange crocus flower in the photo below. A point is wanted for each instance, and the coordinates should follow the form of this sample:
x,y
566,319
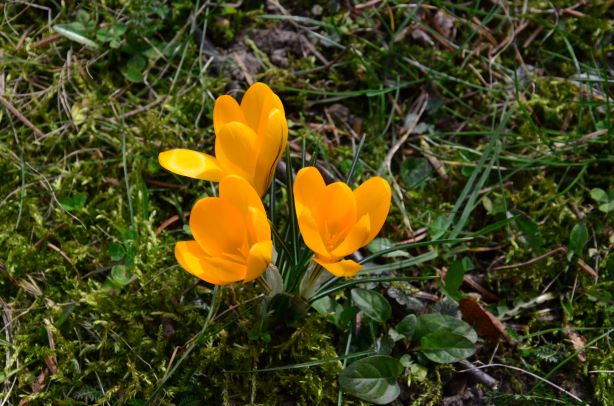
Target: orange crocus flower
x,y
336,221
232,236
249,141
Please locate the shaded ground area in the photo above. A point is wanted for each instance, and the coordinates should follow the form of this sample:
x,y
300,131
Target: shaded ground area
x,y
492,120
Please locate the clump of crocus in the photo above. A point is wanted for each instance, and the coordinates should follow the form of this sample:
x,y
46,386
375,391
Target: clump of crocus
x,y
249,141
336,221
232,236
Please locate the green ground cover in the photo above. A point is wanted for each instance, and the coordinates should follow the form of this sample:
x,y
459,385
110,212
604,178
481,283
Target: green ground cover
x,y
492,121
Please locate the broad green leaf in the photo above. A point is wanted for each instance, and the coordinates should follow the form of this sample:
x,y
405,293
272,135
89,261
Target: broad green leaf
x,y
599,195
373,304
445,347
442,323
407,326
68,31
373,379
578,238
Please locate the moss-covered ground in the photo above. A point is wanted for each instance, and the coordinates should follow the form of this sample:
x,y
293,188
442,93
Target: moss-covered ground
x,y
493,119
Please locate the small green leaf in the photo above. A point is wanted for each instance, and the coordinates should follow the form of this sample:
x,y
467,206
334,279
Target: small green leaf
x,y
454,278
437,227
71,203
104,35
395,335
120,276
607,207
373,304
435,323
346,316
418,372
380,244
578,239
407,326
444,347
324,305
133,71
405,360
530,231
116,251
68,31
487,203
373,379
415,172
599,195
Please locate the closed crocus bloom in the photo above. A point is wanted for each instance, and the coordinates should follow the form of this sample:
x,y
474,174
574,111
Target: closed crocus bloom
x,y
336,221
232,236
249,141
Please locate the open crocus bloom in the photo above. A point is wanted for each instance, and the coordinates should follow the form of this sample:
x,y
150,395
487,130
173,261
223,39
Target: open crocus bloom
x,y
249,141
336,221
233,237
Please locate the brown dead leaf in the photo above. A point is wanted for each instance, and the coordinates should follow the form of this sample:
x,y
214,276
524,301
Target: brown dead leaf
x,y
587,269
485,323
38,385
52,363
577,341
444,24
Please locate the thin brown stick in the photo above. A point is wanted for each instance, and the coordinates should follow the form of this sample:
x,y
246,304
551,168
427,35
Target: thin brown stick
x,y
143,108
38,133
46,41
63,255
479,375
23,38
168,222
49,234
162,184
368,4
559,250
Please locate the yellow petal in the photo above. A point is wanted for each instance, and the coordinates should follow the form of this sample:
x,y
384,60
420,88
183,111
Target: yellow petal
x,y
257,103
226,110
234,150
218,226
342,268
271,144
309,189
311,234
373,198
193,259
356,238
191,163
258,228
240,193
336,213
259,258
224,269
